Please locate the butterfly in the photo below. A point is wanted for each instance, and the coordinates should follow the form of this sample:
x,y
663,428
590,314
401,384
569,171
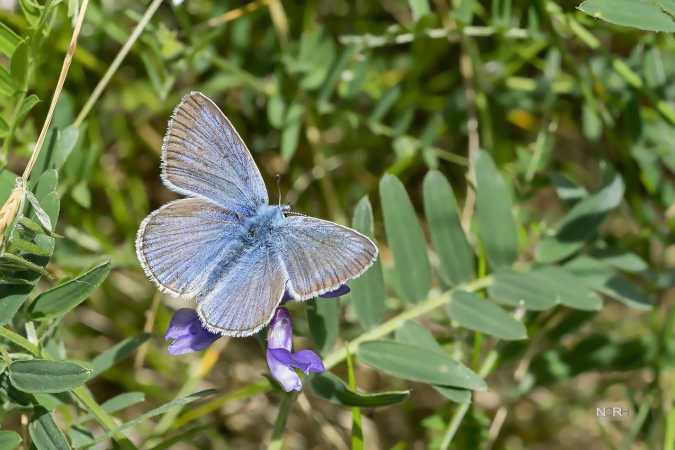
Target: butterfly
x,y
224,244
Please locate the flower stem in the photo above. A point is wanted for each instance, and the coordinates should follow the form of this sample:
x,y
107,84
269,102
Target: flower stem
x,y
287,402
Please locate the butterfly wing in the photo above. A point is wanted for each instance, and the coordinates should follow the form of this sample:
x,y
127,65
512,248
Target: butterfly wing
x,y
203,156
319,256
179,244
243,294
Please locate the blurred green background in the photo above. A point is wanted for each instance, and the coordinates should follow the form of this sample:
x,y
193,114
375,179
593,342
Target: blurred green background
x,y
331,96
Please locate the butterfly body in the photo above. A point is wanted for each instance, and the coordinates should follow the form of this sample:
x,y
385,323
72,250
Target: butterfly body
x,y
225,245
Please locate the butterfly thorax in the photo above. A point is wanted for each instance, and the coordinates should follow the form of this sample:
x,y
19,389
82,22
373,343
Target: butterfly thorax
x,y
260,226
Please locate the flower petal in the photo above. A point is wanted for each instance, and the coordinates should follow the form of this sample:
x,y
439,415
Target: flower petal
x,y
187,333
286,376
311,359
305,360
280,332
180,324
342,290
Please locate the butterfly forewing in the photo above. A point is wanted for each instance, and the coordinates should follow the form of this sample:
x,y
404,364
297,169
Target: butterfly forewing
x,y
204,156
244,294
179,244
319,256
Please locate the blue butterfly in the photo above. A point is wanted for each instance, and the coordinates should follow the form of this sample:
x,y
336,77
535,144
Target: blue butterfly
x,y
226,245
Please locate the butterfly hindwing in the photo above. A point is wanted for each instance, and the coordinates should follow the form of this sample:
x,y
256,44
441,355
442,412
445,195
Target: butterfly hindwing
x,y
179,244
204,156
244,294
319,255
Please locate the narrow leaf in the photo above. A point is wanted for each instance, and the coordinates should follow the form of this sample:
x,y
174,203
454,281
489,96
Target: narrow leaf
x,y
641,14
118,352
39,375
478,314
117,403
580,223
11,299
44,432
526,289
9,40
418,364
367,291
61,299
405,239
447,235
9,439
17,245
334,390
323,315
496,226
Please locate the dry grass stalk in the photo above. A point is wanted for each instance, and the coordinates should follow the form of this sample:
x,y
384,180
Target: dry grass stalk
x,y
10,208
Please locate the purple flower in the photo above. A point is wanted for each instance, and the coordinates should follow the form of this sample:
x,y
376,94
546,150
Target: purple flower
x,y
342,290
187,333
281,361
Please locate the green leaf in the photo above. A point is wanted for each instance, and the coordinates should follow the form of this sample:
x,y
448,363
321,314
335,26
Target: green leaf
x,y
600,276
290,136
334,390
155,412
18,66
415,334
9,40
667,5
323,315
117,403
31,11
447,235
7,184
9,439
542,288
44,432
405,239
419,8
65,142
276,109
9,260
496,226
478,314
333,76
4,127
61,299
27,105
40,375
418,364
7,86
566,188
385,103
17,245
641,14
526,289
118,352
367,291
11,299
580,223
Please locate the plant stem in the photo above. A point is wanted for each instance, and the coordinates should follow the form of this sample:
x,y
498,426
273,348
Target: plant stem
x,y
287,402
98,90
393,324
57,91
457,418
19,340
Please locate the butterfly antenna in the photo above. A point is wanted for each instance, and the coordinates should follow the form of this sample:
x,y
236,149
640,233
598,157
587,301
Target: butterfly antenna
x,y
279,188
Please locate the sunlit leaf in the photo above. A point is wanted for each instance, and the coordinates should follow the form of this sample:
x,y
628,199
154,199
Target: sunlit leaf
x,y
478,314
334,389
367,291
40,375
641,14
418,364
405,239
496,226
447,235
